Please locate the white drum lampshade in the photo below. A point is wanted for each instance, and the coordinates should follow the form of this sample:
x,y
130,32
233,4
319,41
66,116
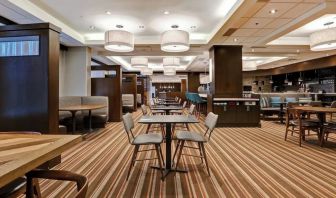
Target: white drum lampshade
x,y
169,71
139,62
175,41
147,71
323,40
171,62
119,41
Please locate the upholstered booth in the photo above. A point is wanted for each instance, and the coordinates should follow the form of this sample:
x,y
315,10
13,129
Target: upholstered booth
x,y
128,102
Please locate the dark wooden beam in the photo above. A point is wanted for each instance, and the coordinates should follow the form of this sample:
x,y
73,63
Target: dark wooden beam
x,y
6,21
97,61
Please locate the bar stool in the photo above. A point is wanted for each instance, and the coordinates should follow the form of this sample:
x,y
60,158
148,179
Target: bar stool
x,y
142,140
183,136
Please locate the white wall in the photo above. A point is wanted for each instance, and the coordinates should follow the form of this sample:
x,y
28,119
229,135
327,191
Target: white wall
x,y
74,72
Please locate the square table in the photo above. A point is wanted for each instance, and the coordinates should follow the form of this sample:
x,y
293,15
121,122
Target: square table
x,y
21,153
166,108
168,120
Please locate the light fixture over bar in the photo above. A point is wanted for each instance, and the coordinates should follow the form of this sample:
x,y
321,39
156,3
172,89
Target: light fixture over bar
x,y
119,41
169,71
147,71
139,62
175,41
171,62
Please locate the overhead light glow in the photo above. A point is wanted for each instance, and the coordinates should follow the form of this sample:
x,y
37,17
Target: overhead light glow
x,y
273,11
171,62
169,71
119,41
139,62
175,41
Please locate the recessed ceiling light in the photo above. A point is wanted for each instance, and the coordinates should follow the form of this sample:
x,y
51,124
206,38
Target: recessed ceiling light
x,y
252,50
297,51
174,26
327,54
235,39
108,12
273,11
92,27
141,26
193,26
166,12
119,26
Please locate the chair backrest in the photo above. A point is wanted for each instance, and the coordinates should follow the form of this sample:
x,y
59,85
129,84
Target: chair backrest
x,y
144,109
128,125
179,100
210,123
191,109
291,113
184,104
333,104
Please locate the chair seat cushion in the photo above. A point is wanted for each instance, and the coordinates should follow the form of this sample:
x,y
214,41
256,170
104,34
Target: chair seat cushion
x,y
190,136
304,123
147,139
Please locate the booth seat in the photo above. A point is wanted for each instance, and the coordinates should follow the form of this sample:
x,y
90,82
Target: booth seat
x,y
128,102
99,116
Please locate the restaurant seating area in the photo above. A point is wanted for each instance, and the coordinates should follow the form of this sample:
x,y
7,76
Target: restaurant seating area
x,y
124,98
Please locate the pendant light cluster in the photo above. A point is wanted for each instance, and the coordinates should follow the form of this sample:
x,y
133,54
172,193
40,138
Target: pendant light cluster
x,y
123,41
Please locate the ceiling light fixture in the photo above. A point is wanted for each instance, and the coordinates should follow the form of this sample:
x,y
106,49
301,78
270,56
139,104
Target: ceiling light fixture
x,y
139,62
175,41
108,12
169,71
273,11
166,12
324,39
146,71
171,62
92,27
235,39
119,41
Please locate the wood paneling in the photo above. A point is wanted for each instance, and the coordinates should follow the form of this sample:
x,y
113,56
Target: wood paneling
x,y
110,87
129,86
227,71
193,81
29,84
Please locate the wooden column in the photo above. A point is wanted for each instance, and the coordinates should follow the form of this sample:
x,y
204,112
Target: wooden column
x,y
227,80
29,83
193,81
110,87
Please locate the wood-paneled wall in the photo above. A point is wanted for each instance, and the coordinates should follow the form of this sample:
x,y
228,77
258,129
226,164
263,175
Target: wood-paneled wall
x,y
193,81
129,86
110,87
29,84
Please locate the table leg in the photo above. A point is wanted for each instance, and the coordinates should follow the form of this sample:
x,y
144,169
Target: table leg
x,y
73,113
281,113
90,121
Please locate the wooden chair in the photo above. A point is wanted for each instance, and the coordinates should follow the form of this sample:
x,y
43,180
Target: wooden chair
x,y
183,136
142,140
191,111
295,123
327,129
145,112
333,105
179,112
81,181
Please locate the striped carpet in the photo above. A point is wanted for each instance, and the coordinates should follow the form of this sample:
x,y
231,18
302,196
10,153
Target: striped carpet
x,y
244,162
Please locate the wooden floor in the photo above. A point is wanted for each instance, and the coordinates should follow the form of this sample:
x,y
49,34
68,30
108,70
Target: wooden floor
x,y
244,162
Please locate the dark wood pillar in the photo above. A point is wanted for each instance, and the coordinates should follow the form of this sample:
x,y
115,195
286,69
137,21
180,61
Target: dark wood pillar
x,y
111,87
193,81
29,78
226,71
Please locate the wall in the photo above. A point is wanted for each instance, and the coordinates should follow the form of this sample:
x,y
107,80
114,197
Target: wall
x,y
74,72
248,81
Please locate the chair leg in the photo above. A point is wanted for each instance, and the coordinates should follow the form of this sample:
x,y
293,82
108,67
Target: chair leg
x,y
157,148
205,157
176,149
162,130
180,153
327,137
200,150
322,137
286,133
300,136
136,149
187,126
148,127
163,162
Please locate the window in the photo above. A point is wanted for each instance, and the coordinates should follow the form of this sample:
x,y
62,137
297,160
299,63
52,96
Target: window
x,y
19,46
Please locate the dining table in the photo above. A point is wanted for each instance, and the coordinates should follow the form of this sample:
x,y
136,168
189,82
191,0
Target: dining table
x,y
168,120
319,111
166,108
21,153
73,109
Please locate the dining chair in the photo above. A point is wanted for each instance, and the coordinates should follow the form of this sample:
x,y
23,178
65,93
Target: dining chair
x,y
296,123
191,111
195,137
179,112
60,175
333,105
145,112
142,140
330,127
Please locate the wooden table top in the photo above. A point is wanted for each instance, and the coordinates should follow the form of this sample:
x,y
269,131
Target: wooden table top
x,y
316,109
161,119
21,153
81,107
169,107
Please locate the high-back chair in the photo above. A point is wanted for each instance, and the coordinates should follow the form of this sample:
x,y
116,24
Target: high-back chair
x,y
183,136
141,140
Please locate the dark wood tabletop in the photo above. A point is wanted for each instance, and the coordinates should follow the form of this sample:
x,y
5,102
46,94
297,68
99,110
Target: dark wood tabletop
x,y
162,119
316,109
